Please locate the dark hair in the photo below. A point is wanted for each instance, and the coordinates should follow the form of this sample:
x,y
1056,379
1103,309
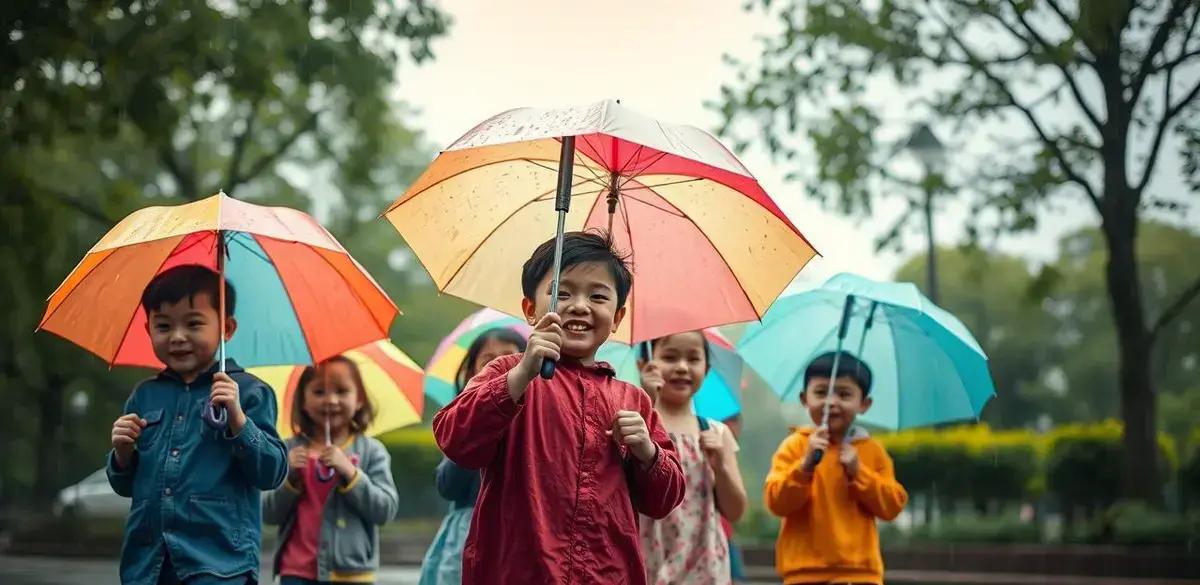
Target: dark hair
x,y
578,248
848,366
501,334
644,348
303,425
187,281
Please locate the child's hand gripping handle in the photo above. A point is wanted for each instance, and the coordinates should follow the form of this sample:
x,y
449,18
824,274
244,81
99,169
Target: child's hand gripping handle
x,y
833,375
562,204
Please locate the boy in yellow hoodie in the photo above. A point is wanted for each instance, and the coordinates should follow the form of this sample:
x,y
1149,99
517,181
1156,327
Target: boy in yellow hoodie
x,y
829,502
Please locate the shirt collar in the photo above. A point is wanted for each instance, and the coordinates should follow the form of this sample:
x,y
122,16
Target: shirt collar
x,y
231,367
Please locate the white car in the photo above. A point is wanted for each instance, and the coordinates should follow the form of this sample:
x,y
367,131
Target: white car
x,y
92,498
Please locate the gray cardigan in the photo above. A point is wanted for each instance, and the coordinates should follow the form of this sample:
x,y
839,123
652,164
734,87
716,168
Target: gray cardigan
x,y
352,515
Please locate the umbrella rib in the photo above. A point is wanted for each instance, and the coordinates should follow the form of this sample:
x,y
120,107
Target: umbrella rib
x,y
673,212
396,206
595,178
179,250
495,229
721,256
637,153
247,247
637,172
633,260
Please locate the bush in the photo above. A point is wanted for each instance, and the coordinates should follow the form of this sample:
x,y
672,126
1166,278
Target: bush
x,y
1189,472
415,456
1083,464
979,529
966,463
1135,523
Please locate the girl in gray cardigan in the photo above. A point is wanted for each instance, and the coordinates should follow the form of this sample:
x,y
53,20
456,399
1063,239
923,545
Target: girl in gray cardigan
x,y
339,488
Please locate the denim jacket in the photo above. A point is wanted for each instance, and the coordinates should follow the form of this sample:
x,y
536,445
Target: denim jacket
x,y
195,490
352,515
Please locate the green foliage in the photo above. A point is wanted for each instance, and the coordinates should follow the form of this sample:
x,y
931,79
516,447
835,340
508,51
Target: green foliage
x,y
1083,463
966,463
992,293
978,530
1019,79
415,456
1189,472
109,106
1135,523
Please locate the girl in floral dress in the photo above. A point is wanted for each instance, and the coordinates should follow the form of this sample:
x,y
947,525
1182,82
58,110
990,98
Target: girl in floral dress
x,y
689,545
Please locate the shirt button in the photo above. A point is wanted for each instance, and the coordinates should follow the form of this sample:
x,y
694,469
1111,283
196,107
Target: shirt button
x,y
179,417
167,492
174,452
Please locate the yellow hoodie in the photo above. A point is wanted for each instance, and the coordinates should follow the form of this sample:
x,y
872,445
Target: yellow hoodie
x,y
828,533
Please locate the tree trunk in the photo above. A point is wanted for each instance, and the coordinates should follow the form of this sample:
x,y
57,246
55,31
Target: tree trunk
x,y
1140,454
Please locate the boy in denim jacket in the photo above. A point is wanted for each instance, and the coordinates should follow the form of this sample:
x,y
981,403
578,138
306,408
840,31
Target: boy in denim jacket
x,y
196,514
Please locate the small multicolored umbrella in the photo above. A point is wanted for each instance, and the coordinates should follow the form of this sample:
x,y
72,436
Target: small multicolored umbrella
x,y
689,214
391,378
443,366
717,397
302,298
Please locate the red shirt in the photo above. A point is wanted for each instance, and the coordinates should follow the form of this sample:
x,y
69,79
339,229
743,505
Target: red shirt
x,y
300,552
559,499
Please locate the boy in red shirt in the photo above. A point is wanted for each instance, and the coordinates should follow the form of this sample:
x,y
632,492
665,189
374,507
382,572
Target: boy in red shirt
x,y
568,462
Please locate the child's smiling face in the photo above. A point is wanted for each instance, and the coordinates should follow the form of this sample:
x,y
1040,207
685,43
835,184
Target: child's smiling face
x,y
333,394
587,304
185,334
846,402
682,361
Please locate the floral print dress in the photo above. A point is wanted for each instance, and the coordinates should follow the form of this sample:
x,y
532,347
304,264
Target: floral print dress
x,y
689,546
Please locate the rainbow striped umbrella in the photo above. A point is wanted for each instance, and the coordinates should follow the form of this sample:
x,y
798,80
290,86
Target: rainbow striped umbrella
x,y
391,378
301,297
708,245
443,366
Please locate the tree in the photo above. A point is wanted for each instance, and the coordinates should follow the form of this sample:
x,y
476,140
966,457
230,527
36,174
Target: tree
x,y
1074,289
113,105
1094,91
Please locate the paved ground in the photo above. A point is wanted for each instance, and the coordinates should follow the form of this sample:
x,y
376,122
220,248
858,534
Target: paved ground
x,y
58,571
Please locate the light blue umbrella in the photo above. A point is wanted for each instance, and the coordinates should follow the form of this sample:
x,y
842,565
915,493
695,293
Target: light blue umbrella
x,y
926,366
717,397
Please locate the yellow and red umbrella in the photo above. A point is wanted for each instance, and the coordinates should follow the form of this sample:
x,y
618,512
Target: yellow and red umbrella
x,y
393,382
708,245
303,297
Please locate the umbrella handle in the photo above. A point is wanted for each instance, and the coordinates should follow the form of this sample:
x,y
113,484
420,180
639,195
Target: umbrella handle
x,y
215,416
562,204
325,473
833,375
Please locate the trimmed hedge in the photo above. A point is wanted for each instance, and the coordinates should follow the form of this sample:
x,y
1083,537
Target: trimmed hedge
x,y
1078,465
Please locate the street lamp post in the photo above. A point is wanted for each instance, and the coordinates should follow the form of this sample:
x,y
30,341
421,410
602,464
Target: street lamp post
x,y
932,153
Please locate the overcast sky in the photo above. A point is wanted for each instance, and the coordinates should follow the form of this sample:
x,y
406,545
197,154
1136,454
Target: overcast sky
x,y
663,59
